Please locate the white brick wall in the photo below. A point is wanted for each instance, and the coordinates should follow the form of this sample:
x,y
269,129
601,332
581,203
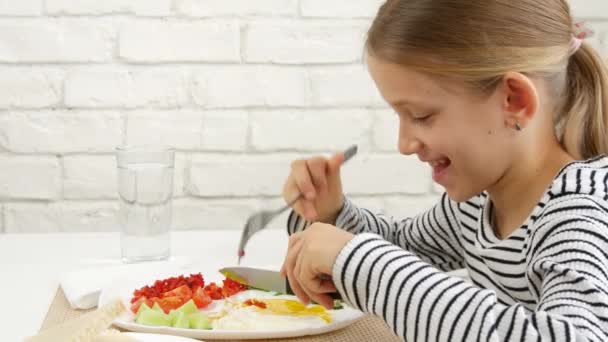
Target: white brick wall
x,y
215,8
339,8
60,131
303,42
30,178
238,87
94,7
43,40
20,8
293,129
153,41
30,87
115,87
250,86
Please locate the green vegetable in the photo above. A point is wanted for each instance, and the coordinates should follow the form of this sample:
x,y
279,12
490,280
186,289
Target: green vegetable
x,y
186,316
188,308
141,309
154,318
173,315
199,320
180,321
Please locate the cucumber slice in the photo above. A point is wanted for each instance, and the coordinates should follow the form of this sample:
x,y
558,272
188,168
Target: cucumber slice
x,y
199,320
142,308
173,315
154,318
157,307
188,308
180,320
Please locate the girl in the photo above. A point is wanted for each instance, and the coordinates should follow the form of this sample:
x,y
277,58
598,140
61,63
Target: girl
x,y
510,109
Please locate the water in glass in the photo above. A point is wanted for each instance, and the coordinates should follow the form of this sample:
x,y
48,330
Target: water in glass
x,y
145,189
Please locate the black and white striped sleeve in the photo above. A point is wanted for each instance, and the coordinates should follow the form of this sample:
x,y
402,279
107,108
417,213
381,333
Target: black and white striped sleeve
x,y
433,235
566,266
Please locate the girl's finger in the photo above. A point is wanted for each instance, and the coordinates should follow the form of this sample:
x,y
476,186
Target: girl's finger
x,y
296,271
302,178
335,162
289,261
308,207
294,239
310,281
290,188
289,268
317,167
325,286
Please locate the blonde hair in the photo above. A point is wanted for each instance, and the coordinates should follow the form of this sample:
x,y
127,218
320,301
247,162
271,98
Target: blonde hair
x,y
479,41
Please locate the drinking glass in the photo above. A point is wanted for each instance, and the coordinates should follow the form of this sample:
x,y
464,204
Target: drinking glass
x,y
145,191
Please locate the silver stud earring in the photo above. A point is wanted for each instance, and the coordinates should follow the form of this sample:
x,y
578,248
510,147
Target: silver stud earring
x,y
517,127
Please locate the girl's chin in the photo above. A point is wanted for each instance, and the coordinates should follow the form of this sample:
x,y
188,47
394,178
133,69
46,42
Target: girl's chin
x,y
459,195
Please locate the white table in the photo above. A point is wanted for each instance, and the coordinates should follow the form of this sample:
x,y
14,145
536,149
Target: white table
x,y
31,266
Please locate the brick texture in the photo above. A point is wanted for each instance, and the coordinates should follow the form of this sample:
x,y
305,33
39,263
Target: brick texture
x,y
239,88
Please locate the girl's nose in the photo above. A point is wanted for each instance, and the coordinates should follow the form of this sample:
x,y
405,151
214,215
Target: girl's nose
x,y
409,145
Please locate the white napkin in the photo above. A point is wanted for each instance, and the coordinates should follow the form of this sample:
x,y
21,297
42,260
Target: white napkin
x,y
83,287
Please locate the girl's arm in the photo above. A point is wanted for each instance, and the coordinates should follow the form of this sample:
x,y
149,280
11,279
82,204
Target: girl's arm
x,y
434,236
567,268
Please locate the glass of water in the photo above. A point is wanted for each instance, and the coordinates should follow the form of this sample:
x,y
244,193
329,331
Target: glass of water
x,y
145,191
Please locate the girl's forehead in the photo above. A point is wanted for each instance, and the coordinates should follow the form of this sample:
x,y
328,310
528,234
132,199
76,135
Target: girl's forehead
x,y
398,83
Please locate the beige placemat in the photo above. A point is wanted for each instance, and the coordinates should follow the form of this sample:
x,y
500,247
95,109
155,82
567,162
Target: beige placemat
x,y
367,329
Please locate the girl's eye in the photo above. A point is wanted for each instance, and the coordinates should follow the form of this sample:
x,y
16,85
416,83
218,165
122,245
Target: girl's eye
x,y
421,118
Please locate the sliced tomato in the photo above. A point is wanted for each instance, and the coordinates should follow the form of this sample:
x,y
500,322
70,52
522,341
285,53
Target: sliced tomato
x,y
135,306
214,291
170,303
163,285
254,302
183,291
232,287
137,303
201,298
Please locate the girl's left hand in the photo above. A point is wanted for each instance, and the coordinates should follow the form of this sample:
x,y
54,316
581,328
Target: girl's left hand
x,y
310,259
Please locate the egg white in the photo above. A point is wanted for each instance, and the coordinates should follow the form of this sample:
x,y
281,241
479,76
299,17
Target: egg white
x,y
250,318
235,317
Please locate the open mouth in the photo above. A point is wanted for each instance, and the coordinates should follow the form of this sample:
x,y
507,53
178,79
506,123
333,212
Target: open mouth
x,y
440,168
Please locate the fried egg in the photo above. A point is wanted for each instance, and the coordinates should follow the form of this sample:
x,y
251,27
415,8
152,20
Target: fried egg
x,y
274,314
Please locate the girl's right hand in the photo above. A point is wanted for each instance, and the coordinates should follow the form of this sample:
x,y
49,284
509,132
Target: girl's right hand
x,y
318,179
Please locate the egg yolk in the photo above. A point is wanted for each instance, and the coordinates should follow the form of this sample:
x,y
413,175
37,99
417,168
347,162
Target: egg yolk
x,y
289,307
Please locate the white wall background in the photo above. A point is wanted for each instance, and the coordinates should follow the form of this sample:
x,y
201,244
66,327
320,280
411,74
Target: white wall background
x,y
239,87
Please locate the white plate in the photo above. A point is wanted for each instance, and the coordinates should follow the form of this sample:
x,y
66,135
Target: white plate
x,y
140,337
124,288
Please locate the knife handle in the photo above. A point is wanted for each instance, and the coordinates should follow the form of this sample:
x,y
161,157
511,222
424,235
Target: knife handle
x,y
334,295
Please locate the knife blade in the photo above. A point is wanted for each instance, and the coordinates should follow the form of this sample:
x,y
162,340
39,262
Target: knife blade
x,y
262,279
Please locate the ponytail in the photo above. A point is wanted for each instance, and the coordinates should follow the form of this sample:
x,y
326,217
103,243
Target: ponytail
x,y
585,118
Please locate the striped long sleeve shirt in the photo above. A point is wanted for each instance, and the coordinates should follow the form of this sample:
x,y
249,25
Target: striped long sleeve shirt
x,y
548,281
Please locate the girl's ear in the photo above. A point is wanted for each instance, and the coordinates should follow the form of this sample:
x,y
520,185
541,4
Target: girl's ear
x,y
520,99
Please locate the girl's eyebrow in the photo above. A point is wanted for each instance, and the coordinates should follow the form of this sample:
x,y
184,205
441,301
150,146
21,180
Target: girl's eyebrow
x,y
402,103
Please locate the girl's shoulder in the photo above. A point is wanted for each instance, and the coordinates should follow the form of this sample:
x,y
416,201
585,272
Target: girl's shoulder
x,y
585,177
578,196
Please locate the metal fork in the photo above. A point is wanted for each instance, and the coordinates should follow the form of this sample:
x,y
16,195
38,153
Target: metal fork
x,y
258,221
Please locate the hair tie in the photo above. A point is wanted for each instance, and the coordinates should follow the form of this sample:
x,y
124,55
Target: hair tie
x,y
580,33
